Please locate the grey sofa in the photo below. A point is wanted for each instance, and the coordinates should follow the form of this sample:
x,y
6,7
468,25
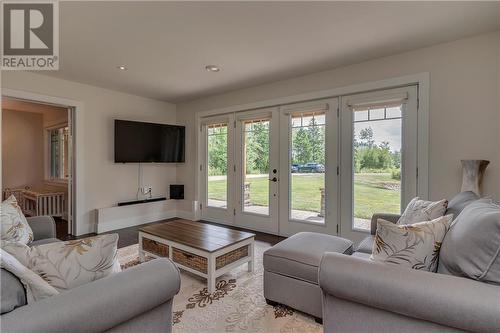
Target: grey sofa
x,y
138,299
360,295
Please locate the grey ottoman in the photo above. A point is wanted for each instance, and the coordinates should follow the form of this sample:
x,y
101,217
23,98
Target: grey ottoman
x,y
291,270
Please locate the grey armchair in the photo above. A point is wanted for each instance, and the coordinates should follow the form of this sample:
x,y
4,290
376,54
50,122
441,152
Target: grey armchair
x,y
138,299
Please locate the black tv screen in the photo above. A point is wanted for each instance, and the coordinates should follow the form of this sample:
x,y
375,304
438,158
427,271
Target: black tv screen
x,y
138,142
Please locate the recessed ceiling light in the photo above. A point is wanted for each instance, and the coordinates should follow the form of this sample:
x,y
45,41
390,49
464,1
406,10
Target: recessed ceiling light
x,y
123,68
212,68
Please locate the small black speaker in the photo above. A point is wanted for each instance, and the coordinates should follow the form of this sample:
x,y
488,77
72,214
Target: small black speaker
x,y
177,192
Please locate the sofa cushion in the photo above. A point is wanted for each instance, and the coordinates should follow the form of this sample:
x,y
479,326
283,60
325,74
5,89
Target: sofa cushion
x,y
366,245
299,256
362,255
13,293
472,246
459,202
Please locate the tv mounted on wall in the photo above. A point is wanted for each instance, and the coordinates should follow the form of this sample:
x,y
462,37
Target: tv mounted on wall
x,y
139,142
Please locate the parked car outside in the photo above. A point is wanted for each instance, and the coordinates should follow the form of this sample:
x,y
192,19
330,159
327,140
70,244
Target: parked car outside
x,y
294,168
312,167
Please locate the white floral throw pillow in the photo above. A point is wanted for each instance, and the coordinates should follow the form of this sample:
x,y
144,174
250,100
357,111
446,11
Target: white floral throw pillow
x,y
422,210
14,227
65,265
415,246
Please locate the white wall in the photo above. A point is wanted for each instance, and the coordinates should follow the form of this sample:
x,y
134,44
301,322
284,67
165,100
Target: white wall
x,y
104,183
464,107
22,147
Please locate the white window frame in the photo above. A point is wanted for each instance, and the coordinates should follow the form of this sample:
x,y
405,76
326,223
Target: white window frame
x,y
408,96
48,153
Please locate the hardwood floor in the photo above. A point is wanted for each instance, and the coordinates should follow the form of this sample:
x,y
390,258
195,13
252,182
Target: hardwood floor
x,y
129,236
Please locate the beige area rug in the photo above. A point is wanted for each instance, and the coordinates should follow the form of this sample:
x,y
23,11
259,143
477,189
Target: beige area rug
x,y
238,304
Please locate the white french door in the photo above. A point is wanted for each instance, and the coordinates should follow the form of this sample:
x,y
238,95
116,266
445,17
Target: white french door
x,y
308,164
379,156
256,170
216,169
322,166
240,169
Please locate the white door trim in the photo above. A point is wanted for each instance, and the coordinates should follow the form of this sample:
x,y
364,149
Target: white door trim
x,y
78,137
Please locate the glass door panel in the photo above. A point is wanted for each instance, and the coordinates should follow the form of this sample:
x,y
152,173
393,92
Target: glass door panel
x,y
217,165
307,167
256,145
377,140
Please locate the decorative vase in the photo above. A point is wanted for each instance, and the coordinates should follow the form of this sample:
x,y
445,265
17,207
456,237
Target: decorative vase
x,y
472,175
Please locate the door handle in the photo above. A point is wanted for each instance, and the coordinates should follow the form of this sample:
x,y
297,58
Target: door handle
x,y
274,179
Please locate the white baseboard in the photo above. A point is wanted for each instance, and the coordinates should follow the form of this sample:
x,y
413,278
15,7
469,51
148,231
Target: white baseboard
x,y
183,214
119,217
133,221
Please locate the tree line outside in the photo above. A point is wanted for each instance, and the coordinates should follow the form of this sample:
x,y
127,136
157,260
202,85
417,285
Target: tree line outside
x,y
372,158
217,151
377,167
308,146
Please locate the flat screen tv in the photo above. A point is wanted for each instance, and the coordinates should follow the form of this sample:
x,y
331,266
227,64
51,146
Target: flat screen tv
x,y
138,142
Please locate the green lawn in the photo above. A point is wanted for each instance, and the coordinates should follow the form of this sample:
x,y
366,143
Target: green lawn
x,y
373,192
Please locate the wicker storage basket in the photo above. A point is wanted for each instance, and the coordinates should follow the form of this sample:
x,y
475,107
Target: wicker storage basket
x,y
231,257
155,247
190,260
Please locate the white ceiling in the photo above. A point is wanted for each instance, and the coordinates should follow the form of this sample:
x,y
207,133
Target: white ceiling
x,y
166,45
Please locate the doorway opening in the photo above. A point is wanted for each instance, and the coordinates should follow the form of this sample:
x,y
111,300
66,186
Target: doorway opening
x,y
38,160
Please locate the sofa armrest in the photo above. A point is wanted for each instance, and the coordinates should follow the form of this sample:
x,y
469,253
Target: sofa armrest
x,y
43,227
386,216
100,305
443,299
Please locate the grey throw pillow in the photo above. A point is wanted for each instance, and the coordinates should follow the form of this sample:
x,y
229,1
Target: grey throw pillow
x,y
471,247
